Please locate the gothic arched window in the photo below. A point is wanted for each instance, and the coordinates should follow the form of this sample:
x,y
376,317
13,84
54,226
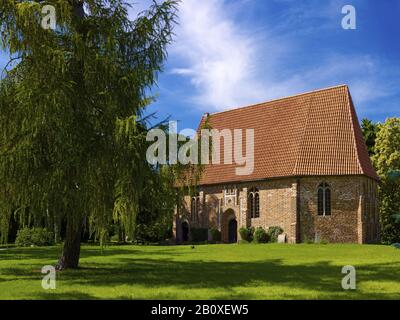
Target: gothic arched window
x,y
194,207
254,203
324,199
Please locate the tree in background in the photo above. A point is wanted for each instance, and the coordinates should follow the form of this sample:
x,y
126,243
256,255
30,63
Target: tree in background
x,y
387,163
156,206
72,145
369,130
395,176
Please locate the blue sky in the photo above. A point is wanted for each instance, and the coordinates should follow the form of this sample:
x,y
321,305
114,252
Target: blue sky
x,y
230,53
233,53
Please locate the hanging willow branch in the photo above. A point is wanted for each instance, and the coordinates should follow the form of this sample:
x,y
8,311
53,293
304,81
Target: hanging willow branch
x,y
71,147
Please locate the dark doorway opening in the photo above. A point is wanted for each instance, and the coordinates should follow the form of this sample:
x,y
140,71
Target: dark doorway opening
x,y
232,231
185,232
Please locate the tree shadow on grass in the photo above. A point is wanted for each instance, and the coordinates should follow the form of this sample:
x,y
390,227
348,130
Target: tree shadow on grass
x,y
222,279
322,277
52,253
29,253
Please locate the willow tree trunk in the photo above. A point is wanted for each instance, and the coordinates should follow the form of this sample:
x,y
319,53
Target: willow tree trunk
x,y
72,247
72,244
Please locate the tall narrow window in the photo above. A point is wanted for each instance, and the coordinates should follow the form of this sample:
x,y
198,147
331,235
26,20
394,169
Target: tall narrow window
x,y
219,213
324,200
257,205
251,203
194,207
254,203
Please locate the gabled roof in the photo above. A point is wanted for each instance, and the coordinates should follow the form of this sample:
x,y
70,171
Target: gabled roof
x,y
310,134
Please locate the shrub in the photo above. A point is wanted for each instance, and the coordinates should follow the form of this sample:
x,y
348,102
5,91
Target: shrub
x,y
199,234
23,237
274,232
260,235
151,232
35,236
307,240
247,233
114,238
243,242
215,235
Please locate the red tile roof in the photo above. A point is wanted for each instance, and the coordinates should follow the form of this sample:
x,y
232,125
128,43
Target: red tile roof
x,y
310,134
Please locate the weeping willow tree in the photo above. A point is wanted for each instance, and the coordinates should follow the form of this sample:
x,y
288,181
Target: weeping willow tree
x,y
72,145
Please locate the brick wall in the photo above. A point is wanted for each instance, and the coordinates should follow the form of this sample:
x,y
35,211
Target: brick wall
x,y
292,204
348,221
277,206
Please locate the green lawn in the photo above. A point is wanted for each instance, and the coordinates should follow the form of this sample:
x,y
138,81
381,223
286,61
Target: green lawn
x,y
269,271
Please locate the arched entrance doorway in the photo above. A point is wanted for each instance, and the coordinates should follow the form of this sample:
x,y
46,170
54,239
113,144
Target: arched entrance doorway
x,y
232,231
185,231
229,227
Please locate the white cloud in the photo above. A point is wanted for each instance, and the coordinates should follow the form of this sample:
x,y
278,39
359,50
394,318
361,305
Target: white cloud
x,y
230,64
182,71
218,56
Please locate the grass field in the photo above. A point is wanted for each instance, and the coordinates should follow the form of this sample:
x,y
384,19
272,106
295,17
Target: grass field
x,y
268,271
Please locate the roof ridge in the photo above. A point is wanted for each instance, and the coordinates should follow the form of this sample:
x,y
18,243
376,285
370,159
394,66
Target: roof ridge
x,y
364,168
353,130
282,98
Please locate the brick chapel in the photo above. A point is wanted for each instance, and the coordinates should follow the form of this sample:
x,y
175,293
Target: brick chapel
x,y
312,174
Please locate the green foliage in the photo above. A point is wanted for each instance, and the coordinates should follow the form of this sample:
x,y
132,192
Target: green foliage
x,y
308,240
247,233
387,158
114,238
394,175
36,236
215,235
73,138
199,234
156,205
153,233
260,235
274,232
387,161
369,130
